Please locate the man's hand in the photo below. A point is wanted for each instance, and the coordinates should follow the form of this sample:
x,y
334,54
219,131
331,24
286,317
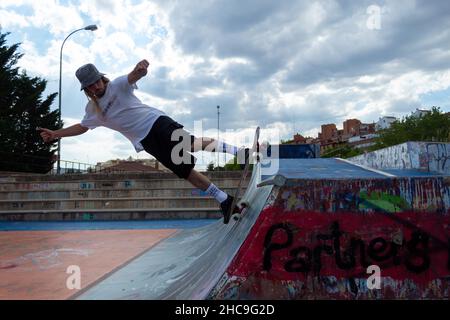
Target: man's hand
x,y
50,135
138,72
47,135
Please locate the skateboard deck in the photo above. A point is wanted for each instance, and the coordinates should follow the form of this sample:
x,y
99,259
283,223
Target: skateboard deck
x,y
244,205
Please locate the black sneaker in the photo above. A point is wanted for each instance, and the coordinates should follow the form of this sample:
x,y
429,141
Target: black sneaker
x,y
246,157
225,207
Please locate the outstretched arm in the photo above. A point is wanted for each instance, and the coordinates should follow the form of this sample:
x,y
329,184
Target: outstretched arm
x,y
50,135
138,72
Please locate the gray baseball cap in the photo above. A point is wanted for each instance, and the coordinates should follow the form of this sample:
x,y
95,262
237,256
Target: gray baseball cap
x,y
88,74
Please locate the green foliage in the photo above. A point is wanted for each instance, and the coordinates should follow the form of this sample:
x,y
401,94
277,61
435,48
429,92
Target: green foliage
x,y
343,152
287,141
22,110
433,126
210,167
232,165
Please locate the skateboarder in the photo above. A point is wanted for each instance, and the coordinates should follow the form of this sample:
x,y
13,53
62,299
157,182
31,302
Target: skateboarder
x,y
112,104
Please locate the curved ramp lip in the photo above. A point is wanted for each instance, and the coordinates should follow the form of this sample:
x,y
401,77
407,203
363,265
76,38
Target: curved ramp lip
x,y
278,180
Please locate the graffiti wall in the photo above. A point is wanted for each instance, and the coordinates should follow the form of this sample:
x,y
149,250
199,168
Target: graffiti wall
x,y
426,156
347,240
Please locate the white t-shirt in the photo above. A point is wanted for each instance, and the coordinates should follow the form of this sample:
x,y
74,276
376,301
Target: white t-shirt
x,y
122,111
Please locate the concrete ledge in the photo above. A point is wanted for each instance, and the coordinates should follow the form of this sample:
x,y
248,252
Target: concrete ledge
x,y
80,194
110,184
107,203
111,176
111,214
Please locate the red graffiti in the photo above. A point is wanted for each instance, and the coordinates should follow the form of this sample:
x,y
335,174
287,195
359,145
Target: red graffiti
x,y
297,244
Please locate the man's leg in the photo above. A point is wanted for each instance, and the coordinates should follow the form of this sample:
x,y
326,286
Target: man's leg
x,y
203,183
160,144
199,180
212,145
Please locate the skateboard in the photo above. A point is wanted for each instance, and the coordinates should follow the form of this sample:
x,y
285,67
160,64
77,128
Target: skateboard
x,y
244,205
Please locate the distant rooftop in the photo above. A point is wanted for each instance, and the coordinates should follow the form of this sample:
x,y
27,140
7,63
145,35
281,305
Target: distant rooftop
x,y
130,166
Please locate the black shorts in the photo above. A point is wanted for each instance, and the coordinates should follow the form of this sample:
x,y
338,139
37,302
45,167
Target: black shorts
x,y
174,155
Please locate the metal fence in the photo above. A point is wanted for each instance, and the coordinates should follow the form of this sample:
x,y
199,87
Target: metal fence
x,y
18,162
70,167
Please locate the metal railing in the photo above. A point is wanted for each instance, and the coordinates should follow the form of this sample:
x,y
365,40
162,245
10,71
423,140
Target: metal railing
x,y
12,162
72,167
19,162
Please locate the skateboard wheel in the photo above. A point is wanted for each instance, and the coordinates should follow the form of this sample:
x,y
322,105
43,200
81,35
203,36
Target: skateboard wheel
x,y
236,216
244,204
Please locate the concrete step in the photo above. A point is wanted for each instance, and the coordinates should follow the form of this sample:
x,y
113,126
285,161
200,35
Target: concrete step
x,y
111,214
108,203
8,177
106,193
109,197
110,184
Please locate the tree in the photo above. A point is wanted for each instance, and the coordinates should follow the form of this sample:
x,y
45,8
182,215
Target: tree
x,y
233,165
344,152
210,167
433,126
22,110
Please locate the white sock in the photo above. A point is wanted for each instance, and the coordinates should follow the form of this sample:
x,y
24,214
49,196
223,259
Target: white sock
x,y
216,193
226,148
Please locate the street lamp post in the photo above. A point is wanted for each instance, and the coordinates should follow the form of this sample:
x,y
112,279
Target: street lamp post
x,y
218,135
91,27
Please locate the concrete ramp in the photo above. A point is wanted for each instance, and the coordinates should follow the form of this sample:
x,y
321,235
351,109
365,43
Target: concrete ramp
x,y
187,265
334,230
317,229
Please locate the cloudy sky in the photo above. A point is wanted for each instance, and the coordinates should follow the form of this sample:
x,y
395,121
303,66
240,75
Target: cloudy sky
x,y
287,66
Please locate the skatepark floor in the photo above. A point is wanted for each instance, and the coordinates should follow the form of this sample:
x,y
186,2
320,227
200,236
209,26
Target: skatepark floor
x,y
37,259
